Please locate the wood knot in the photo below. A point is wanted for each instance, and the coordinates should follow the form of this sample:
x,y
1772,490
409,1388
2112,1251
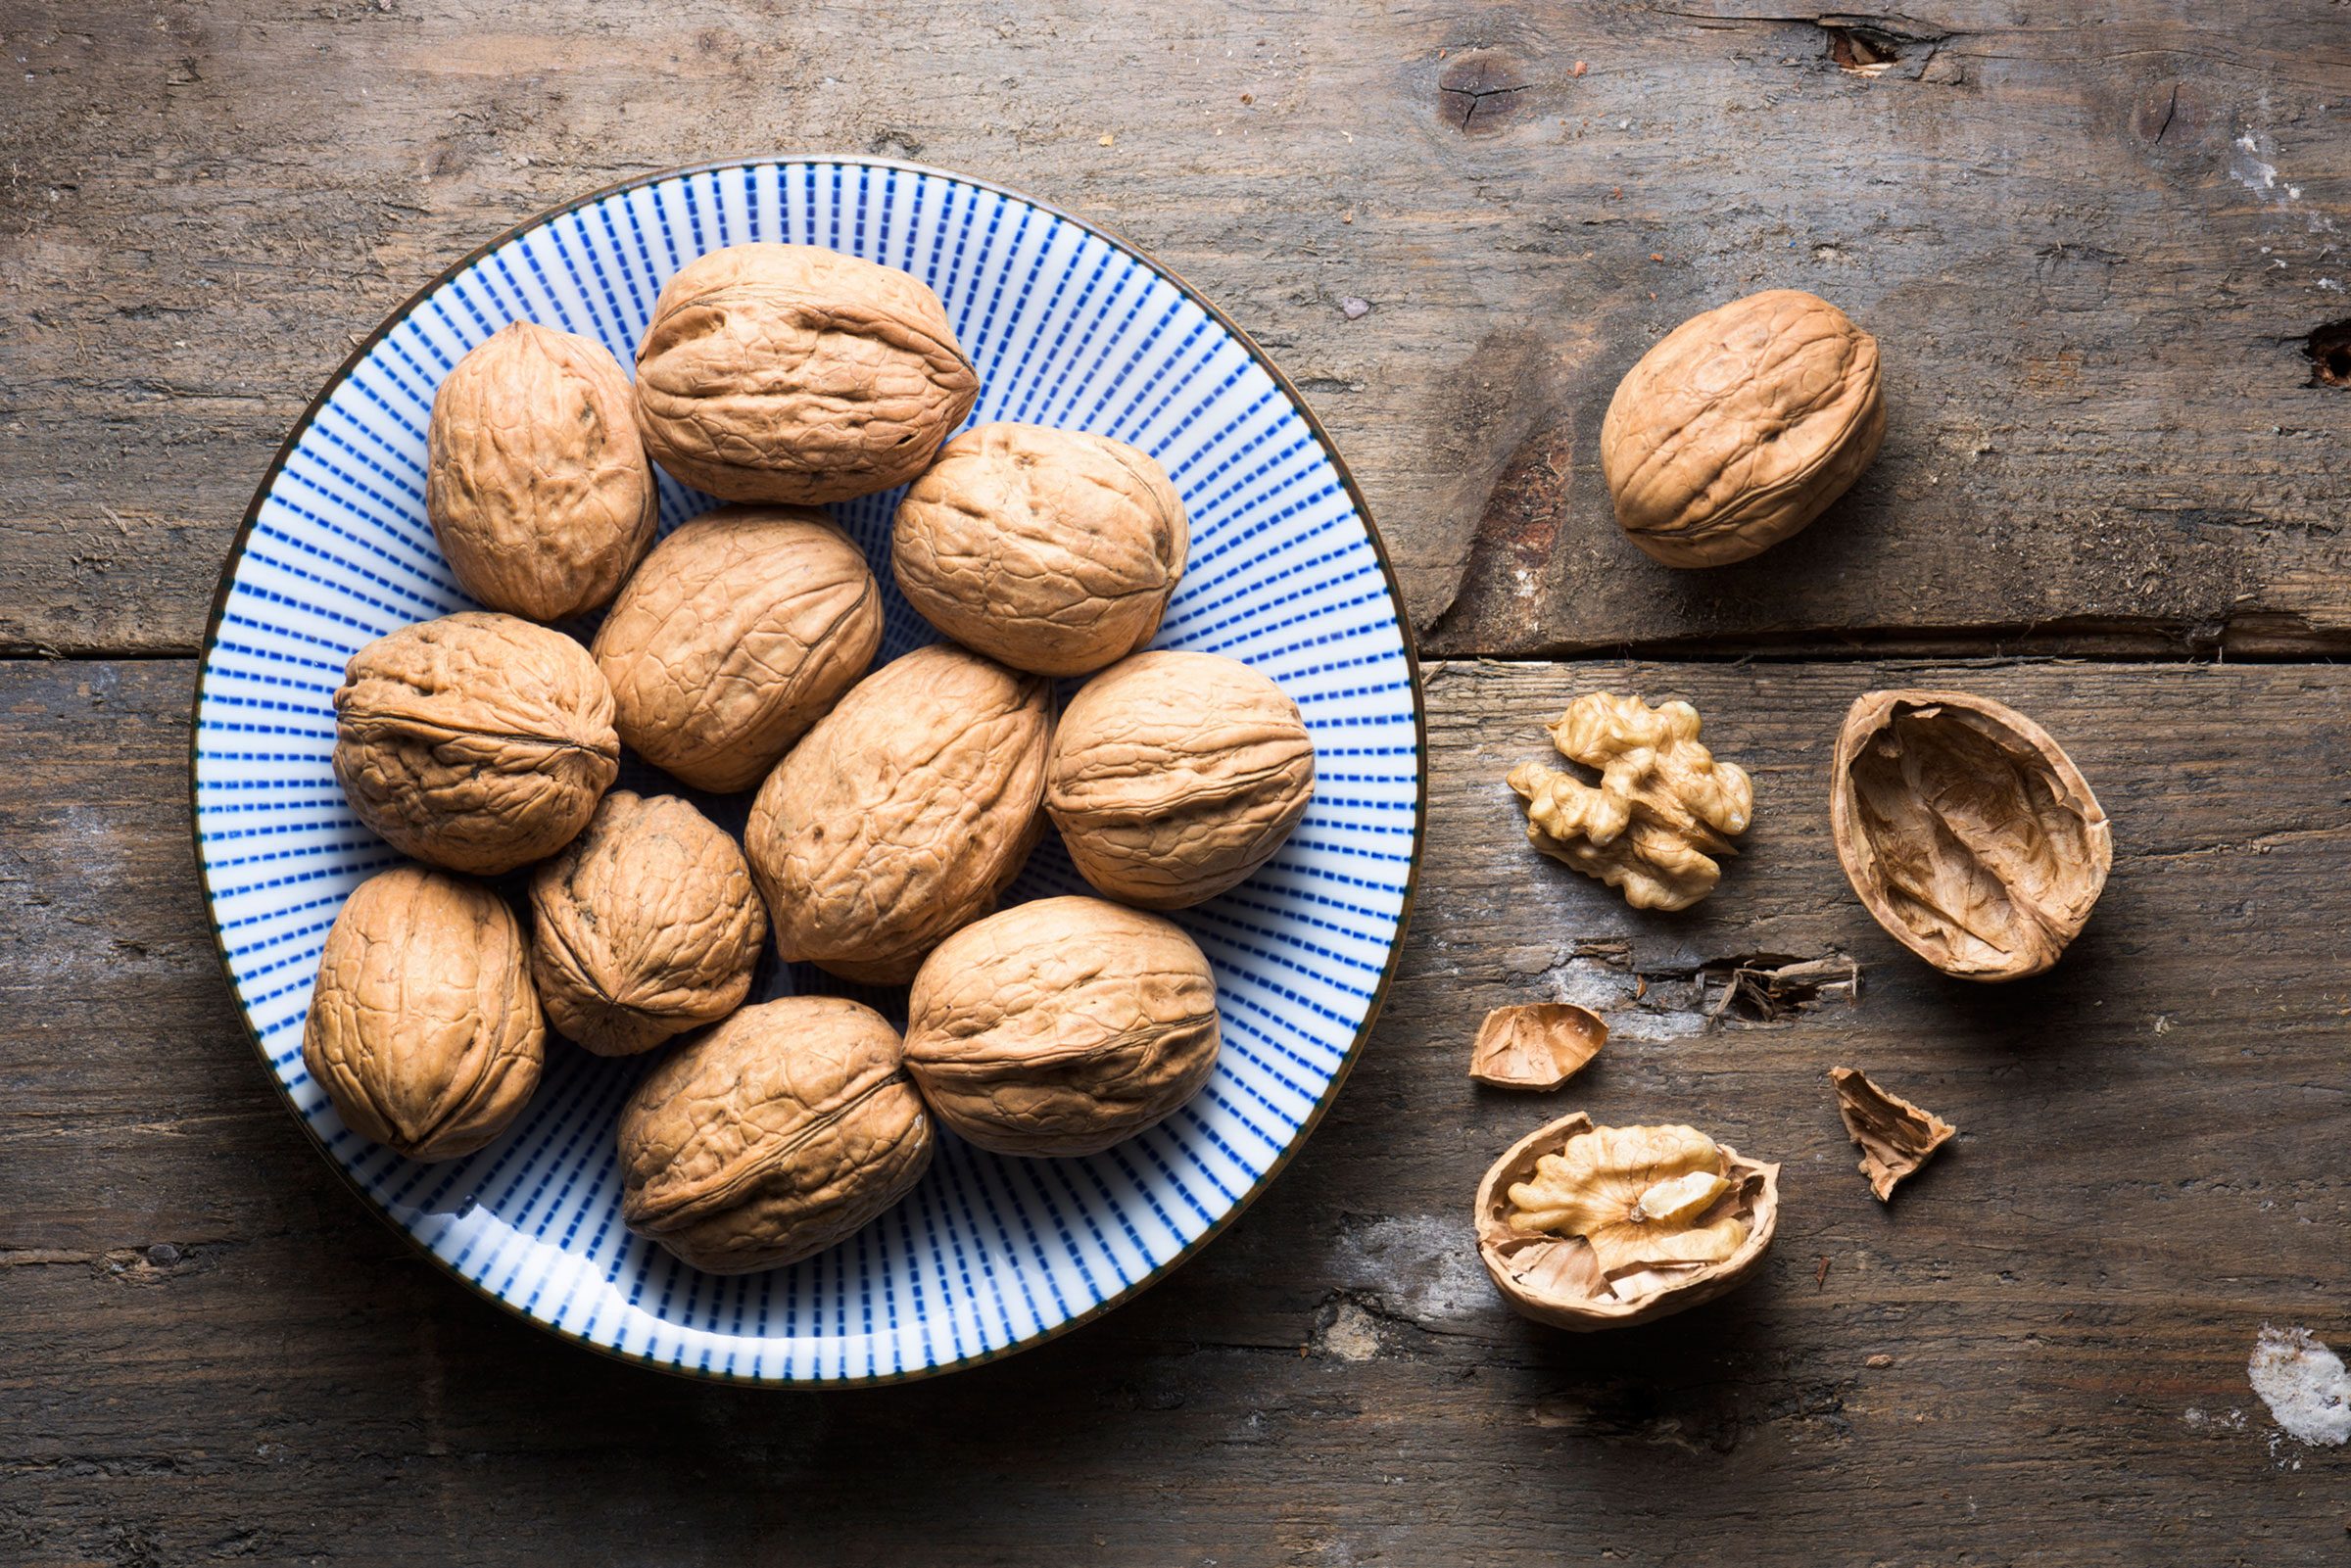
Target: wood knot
x,y
1481,92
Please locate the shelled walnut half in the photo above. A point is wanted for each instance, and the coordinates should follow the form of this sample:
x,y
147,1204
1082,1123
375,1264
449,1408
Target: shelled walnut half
x,y
1895,1136
1540,1045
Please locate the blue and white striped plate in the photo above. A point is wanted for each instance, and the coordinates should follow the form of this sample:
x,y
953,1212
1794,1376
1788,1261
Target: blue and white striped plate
x,y
1068,327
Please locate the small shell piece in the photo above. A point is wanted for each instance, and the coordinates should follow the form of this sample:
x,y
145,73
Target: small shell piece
x,y
1966,831
476,741
739,631
1540,1045
776,1135
423,1028
1052,550
643,926
535,481
1895,1136
1176,776
1062,1026
1588,1227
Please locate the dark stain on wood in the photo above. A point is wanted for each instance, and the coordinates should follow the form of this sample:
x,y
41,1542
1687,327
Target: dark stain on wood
x,y
1481,92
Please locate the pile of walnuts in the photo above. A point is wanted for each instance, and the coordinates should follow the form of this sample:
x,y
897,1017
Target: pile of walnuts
x,y
893,806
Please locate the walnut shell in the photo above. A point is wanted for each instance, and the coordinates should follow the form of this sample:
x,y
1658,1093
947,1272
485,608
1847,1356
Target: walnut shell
x,y
477,742
1966,831
794,373
1061,1026
776,1135
423,1028
1051,550
643,926
1741,426
903,814
535,478
1558,1279
1176,776
736,634
1536,1045
1895,1136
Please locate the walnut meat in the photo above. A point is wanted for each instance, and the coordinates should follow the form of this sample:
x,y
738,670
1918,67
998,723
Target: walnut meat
x,y
643,926
794,373
776,1135
1966,831
1051,550
1587,1227
903,814
1895,1136
1540,1045
736,634
535,478
1176,776
423,1028
1661,813
1061,1026
1741,427
477,742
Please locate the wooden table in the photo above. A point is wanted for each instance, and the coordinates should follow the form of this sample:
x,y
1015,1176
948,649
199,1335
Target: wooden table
x,y
2106,248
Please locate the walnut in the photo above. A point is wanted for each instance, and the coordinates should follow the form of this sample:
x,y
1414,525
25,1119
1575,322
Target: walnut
x,y
776,1135
1061,1026
1967,831
1052,550
736,634
477,742
643,926
794,373
1895,1136
423,1028
1741,427
1176,776
1588,1227
1664,808
903,814
1537,1046
535,480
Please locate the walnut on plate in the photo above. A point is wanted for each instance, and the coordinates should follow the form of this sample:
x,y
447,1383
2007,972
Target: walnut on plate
x,y
1539,1045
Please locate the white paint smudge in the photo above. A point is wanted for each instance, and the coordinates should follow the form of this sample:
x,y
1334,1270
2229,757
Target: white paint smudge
x,y
2251,166
2304,1385
1422,1267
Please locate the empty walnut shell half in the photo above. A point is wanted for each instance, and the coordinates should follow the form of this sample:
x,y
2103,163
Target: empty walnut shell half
x,y
1540,1045
1967,831
1714,1215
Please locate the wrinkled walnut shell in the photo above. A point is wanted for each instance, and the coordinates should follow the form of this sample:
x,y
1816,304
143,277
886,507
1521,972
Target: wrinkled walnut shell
x,y
778,1134
736,634
1895,1136
1741,426
1539,1045
1051,550
423,1028
1061,1026
476,741
794,373
1966,831
643,926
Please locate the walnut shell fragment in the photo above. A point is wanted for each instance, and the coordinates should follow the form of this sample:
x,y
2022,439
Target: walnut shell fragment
x,y
1895,1136
423,1028
1967,831
1588,1227
1540,1045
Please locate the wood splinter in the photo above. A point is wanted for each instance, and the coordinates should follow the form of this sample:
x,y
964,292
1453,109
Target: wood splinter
x,y
1895,1136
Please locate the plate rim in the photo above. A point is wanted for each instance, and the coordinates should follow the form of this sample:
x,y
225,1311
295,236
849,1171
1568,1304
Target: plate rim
x,y
1380,549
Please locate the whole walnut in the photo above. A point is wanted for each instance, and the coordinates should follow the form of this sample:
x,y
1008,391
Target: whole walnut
x,y
903,814
643,926
1061,1026
735,636
535,478
477,742
1176,776
776,1135
1053,550
794,373
423,1028
1741,427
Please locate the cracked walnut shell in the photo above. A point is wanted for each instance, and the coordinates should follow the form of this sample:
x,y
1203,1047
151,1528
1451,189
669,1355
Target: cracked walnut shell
x,y
1895,1136
776,1135
1539,1045
794,373
1966,831
477,742
1741,426
1061,1026
423,1028
1664,810
1588,1227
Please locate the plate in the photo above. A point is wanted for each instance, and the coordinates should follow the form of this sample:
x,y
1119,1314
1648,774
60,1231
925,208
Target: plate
x,y
1068,326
